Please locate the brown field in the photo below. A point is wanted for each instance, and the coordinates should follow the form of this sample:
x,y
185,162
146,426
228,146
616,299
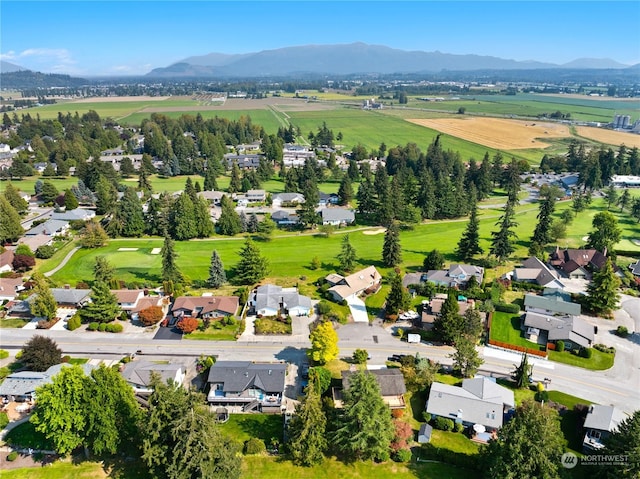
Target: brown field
x,y
609,137
498,133
113,99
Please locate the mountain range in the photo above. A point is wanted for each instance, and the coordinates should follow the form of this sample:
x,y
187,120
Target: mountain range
x,y
6,67
353,58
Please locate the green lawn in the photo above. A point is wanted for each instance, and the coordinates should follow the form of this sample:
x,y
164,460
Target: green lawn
x,y
225,333
271,326
599,361
454,441
505,327
25,435
13,322
242,427
275,468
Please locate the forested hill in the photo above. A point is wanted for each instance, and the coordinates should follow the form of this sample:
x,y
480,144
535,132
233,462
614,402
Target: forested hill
x,y
30,79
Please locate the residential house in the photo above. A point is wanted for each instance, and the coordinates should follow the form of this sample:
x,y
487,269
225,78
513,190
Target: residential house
x,y
600,422
138,374
9,288
635,268
281,200
296,155
272,300
213,197
578,263
73,298
246,386
391,382
148,301
327,199
432,309
6,261
21,386
79,214
51,227
256,196
478,401
574,332
345,287
243,161
337,216
457,276
128,298
625,181
535,271
205,307
284,218
117,156
551,304
35,241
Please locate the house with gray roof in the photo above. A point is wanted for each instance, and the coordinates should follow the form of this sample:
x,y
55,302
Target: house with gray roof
x,y
600,422
273,300
284,218
390,381
71,297
284,199
22,385
457,276
51,227
246,386
478,401
243,161
574,332
79,214
138,374
337,216
535,271
555,304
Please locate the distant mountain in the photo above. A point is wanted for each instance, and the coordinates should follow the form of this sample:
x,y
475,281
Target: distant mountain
x,y
29,79
354,58
6,67
595,63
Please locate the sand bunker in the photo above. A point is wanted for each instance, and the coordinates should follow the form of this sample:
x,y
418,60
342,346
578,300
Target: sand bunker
x,y
156,250
374,232
127,249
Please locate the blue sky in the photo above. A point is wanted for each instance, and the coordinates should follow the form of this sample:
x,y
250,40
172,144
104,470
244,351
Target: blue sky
x,y
127,37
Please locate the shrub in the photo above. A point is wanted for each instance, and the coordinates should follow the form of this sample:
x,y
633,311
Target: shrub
x,y
187,325
74,323
443,423
458,427
4,419
426,416
622,331
507,308
231,321
102,327
586,353
397,413
324,307
360,356
114,328
93,326
560,346
13,455
403,455
45,252
254,446
66,358
151,315
542,396
604,349
4,353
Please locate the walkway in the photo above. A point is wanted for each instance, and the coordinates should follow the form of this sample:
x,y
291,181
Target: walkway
x,y
358,310
63,262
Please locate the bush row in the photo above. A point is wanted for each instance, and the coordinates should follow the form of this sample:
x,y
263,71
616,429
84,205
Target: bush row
x,y
105,327
507,307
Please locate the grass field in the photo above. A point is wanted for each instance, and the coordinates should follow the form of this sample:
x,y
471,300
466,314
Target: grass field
x,y
242,427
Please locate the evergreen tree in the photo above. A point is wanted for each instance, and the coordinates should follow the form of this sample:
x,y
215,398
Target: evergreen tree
x,y
365,429
466,360
307,211
469,244
44,304
205,227
235,185
229,221
128,217
210,183
345,192
398,297
217,276
143,182
602,293
307,430
252,267
106,196
522,372
515,455
502,245
49,193
252,223
103,271
624,440
12,195
448,325
366,197
93,235
70,200
391,249
244,222
10,227
433,261
103,307
541,234
183,218
170,271
624,200
347,257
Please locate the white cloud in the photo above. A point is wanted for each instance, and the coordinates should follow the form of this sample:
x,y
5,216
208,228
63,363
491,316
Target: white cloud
x,y
57,60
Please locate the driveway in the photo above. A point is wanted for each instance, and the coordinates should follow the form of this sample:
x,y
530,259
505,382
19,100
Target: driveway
x,y
358,310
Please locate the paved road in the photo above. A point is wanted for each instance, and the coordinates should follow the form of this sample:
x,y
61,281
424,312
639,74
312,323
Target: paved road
x,y
618,386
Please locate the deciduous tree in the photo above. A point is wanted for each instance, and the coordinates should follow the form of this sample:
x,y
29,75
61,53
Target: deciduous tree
x,y
44,305
40,353
93,235
324,343
466,360
605,234
10,227
151,315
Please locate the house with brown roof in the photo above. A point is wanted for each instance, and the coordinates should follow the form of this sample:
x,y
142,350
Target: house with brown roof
x,y
578,263
431,310
205,307
6,261
9,288
344,287
128,298
535,271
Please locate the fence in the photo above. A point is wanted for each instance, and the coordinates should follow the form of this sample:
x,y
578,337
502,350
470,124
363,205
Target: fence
x,y
521,349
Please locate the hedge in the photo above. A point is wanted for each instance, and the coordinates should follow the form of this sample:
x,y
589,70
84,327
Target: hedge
x,y
443,423
507,308
93,326
467,461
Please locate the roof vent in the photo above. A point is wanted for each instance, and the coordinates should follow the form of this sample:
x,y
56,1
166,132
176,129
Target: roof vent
x,y
269,372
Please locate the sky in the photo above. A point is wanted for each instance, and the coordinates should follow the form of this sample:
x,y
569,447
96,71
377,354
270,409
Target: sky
x,y
96,38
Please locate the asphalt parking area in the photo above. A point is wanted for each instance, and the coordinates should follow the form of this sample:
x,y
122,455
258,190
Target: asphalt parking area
x,y
171,333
